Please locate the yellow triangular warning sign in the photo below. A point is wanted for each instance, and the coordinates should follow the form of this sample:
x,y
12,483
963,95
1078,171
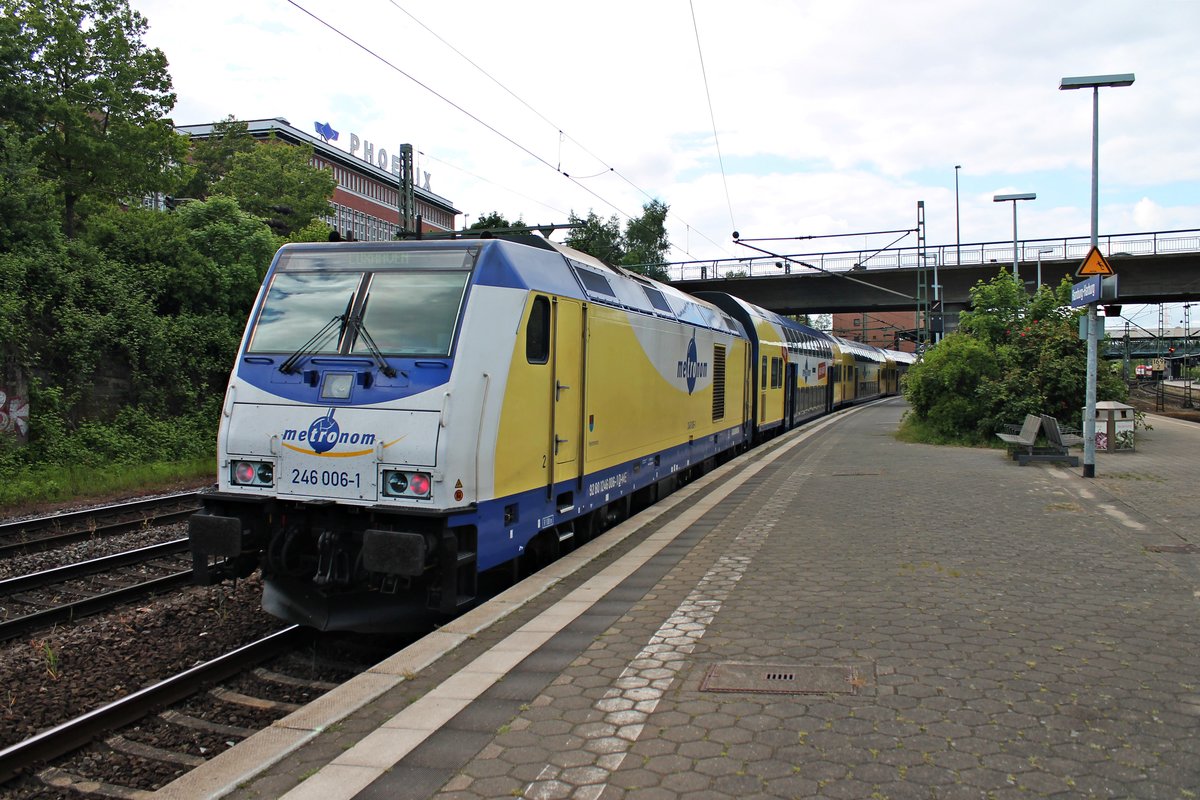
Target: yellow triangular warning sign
x,y
1094,264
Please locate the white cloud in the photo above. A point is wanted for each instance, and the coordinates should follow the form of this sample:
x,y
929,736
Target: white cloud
x,y
853,110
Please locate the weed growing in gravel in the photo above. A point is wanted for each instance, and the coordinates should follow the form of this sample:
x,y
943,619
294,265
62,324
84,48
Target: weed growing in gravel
x,y
49,658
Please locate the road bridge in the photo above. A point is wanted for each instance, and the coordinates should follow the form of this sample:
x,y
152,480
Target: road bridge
x,y
1156,267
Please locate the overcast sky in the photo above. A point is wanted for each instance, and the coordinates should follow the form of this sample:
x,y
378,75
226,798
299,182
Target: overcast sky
x,y
828,117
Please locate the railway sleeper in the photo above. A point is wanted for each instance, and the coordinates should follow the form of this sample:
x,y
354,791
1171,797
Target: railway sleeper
x,y
208,726
122,745
256,703
61,779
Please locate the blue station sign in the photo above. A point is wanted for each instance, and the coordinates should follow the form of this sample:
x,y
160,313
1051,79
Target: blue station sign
x,y
1086,292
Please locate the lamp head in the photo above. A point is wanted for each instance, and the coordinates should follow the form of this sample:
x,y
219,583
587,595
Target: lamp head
x,y
1096,81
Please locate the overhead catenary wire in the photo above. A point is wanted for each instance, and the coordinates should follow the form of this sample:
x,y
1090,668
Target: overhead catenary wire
x,y
454,105
493,183
712,116
424,86
462,110
563,135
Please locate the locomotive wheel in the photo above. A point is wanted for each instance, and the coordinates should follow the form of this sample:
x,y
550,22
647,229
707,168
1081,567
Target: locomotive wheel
x,y
591,525
541,551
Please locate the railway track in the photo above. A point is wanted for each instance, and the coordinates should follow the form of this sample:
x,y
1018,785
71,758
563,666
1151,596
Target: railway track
x,y
128,747
1172,403
132,746
42,599
80,731
48,532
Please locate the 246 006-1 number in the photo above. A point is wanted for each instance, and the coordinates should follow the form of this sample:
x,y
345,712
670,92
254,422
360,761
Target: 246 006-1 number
x,y
327,477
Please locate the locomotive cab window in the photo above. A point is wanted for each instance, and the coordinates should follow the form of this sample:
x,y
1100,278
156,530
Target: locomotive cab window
x,y
355,300
412,313
537,332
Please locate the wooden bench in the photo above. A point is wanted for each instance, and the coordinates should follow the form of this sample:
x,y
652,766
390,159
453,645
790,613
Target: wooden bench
x,y
1058,445
1024,440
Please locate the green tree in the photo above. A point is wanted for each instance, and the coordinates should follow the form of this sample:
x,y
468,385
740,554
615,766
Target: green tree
x,y
494,220
28,211
1014,354
237,241
597,237
207,257
18,104
212,157
642,247
277,183
646,242
97,97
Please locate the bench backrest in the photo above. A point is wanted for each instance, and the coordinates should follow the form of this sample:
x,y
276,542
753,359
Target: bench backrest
x,y
1053,434
1029,430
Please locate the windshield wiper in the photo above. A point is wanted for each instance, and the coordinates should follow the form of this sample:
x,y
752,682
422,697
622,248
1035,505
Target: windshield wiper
x,y
314,342
358,326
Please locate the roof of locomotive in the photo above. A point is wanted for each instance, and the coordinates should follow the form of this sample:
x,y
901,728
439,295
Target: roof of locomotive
x,y
534,264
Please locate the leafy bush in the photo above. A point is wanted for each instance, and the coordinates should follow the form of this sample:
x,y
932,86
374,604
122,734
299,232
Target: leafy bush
x,y
951,389
1014,354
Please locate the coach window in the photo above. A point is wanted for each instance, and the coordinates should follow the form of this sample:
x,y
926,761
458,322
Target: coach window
x,y
537,332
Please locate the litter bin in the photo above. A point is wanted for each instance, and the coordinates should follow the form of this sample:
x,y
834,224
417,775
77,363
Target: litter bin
x,y
1114,426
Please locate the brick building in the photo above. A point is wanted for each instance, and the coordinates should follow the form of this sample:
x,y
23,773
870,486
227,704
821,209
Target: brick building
x,y
890,329
365,204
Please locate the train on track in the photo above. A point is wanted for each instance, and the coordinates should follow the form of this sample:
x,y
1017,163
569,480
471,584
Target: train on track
x,y
403,417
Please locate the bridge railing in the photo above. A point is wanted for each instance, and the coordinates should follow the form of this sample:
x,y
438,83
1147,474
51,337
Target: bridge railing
x,y
1074,248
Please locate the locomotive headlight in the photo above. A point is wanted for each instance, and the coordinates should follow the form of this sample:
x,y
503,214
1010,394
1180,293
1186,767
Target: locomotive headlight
x,y
397,482
406,484
252,473
336,385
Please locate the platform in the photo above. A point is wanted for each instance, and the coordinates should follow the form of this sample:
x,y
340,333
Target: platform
x,y
837,615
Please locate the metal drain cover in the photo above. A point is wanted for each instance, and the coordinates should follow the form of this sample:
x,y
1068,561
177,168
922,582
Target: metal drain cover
x,y
781,679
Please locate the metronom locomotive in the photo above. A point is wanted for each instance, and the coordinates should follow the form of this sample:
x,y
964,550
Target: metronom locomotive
x,y
404,416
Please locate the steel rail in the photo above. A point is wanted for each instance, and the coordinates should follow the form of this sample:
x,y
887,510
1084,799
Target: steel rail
x,y
78,732
11,629
81,569
86,523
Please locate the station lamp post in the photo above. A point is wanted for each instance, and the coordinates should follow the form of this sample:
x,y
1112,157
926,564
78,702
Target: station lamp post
x,y
1093,82
1041,250
1002,198
957,227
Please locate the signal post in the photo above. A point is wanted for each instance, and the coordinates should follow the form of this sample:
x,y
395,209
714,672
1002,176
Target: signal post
x,y
1099,283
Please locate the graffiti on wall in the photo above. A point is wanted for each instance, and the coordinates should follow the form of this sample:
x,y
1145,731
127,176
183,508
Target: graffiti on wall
x,y
14,413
